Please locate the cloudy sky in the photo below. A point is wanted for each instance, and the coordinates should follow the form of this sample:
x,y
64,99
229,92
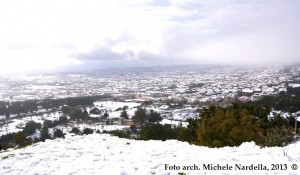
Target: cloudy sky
x,y
60,35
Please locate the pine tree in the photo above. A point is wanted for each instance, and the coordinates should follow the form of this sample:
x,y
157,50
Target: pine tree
x,y
58,134
228,127
21,140
45,134
140,116
154,117
124,114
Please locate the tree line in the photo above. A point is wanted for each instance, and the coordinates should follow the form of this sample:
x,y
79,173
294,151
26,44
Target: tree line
x,y
231,126
19,107
215,127
238,123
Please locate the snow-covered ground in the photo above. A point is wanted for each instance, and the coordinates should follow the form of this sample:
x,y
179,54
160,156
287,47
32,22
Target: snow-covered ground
x,y
95,127
284,114
112,105
174,122
104,154
17,124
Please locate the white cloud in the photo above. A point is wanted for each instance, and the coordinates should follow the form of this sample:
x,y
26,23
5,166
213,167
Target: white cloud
x,y
38,32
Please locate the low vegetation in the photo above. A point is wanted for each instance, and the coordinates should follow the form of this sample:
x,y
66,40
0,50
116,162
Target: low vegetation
x,y
216,126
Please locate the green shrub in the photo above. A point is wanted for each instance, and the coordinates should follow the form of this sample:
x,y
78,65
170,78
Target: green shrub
x,y
62,119
118,133
21,140
58,134
44,134
30,127
133,129
230,126
278,136
88,131
189,134
159,132
7,140
75,130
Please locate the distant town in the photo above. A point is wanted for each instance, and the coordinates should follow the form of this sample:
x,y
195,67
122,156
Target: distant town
x,y
159,103
195,85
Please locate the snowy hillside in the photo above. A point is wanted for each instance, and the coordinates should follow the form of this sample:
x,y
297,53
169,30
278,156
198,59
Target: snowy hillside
x,y
104,154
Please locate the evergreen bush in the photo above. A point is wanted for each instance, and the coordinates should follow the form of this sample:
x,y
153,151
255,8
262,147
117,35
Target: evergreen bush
x,y
158,132
88,131
21,140
75,130
58,134
278,136
30,127
118,133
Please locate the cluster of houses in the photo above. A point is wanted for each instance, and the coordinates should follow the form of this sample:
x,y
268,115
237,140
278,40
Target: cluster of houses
x,y
195,87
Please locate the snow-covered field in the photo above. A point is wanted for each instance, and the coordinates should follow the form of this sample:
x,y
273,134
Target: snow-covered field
x,y
112,105
17,124
104,154
14,123
174,122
